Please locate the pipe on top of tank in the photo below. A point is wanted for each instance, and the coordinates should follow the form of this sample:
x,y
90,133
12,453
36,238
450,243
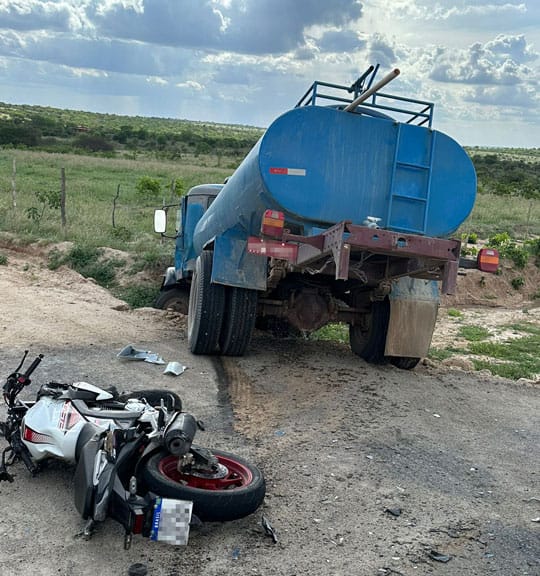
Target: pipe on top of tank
x,y
365,95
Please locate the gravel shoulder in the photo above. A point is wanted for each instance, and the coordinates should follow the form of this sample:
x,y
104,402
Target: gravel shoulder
x,y
370,470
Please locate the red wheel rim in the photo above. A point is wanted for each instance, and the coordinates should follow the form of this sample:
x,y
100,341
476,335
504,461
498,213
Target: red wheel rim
x,y
237,476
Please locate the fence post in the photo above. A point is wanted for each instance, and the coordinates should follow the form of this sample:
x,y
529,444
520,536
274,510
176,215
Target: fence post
x,y
14,183
63,198
114,204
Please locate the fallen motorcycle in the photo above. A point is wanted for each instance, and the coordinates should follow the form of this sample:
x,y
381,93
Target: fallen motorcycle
x,y
134,457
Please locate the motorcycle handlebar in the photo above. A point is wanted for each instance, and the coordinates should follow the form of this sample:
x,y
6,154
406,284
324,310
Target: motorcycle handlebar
x,y
33,366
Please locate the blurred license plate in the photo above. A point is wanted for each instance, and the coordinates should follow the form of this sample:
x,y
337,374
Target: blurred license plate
x,y
170,523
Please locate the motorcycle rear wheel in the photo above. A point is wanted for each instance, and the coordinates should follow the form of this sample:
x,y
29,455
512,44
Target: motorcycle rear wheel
x,y
215,499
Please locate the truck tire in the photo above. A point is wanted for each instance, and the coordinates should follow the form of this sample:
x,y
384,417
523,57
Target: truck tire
x,y
369,342
206,306
239,320
404,362
175,298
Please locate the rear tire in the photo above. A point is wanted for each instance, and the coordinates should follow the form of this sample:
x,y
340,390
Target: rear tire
x,y
404,362
239,321
236,495
206,307
369,341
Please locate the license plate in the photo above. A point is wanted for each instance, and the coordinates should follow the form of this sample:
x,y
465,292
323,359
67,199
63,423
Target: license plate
x,y
170,523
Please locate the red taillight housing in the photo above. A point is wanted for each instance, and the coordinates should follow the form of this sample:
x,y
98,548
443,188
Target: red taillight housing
x,y
138,517
272,224
488,260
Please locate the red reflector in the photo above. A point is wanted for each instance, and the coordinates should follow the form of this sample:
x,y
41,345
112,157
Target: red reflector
x,y
272,248
35,437
272,224
488,260
138,521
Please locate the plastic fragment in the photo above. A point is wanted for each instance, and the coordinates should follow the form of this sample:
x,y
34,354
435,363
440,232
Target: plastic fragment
x,y
174,368
269,530
535,519
438,557
393,511
129,352
236,553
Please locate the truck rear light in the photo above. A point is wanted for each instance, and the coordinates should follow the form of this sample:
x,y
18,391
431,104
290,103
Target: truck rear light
x,y
272,248
488,260
272,224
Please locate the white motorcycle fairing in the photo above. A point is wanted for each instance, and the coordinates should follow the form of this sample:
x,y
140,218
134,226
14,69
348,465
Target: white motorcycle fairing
x,y
51,427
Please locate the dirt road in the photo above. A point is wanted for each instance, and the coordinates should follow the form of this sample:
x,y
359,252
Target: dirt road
x,y
370,470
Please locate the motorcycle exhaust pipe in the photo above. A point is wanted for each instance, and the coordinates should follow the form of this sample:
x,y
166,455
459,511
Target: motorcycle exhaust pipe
x,y
180,433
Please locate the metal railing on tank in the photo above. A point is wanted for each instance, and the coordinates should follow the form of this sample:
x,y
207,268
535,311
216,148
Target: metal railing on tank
x,y
406,110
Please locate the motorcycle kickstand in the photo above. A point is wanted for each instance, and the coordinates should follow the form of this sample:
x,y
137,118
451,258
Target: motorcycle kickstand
x,y
128,537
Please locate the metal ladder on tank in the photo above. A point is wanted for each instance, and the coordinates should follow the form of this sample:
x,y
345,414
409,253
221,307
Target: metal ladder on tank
x,y
410,184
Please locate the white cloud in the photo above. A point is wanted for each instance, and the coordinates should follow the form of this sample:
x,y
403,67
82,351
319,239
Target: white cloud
x,y
192,85
499,61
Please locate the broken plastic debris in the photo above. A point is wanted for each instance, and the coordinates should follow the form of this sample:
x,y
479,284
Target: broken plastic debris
x,y
393,511
438,557
535,519
132,353
236,554
269,530
174,368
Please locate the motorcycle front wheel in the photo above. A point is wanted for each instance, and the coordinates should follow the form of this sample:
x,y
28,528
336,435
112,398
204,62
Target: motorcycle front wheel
x,y
235,491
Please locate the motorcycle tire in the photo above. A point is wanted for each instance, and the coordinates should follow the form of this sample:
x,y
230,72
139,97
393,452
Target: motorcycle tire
x,y
239,493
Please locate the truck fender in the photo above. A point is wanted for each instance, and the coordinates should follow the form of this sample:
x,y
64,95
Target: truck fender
x,y
235,266
414,304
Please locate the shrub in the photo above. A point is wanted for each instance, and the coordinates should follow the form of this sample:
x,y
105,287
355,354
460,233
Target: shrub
x,y
148,188
3,260
138,296
517,282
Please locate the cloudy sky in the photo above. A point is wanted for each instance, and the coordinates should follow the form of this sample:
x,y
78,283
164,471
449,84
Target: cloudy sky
x,y
247,61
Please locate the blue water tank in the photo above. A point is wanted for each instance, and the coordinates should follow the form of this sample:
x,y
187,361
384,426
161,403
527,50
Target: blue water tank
x,y
322,165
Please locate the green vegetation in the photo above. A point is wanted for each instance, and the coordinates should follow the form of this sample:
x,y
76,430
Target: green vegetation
x,y
473,333
333,332
505,174
453,313
110,135
515,358
3,260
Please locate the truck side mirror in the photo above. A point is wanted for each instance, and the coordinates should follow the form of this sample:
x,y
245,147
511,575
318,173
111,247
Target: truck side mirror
x,y
160,221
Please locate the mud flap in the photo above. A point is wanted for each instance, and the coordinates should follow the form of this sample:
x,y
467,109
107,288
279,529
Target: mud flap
x,y
413,312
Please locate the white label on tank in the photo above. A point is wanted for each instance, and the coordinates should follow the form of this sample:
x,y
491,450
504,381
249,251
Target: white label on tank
x,y
289,171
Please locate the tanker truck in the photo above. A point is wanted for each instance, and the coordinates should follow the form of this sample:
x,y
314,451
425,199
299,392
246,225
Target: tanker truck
x,y
342,212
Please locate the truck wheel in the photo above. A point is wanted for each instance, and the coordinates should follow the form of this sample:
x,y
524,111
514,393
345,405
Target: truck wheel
x,y
404,362
206,305
239,320
174,298
369,341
